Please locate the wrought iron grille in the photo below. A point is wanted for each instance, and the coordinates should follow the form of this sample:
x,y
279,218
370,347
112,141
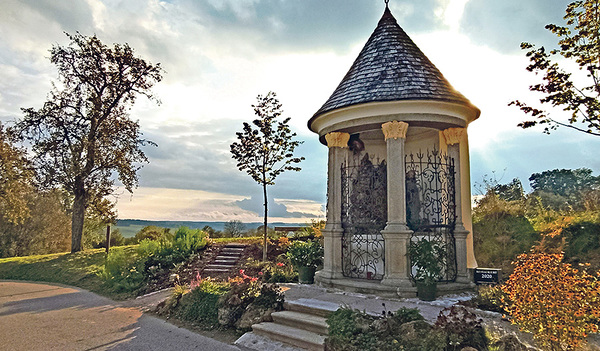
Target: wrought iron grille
x,y
430,204
364,215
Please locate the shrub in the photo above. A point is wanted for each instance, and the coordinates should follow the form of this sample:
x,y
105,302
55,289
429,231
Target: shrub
x,y
244,294
461,328
559,304
121,271
273,272
491,298
405,329
200,305
406,315
349,330
305,253
165,254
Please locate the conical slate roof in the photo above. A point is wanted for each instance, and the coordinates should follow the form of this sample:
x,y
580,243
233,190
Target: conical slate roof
x,y
391,67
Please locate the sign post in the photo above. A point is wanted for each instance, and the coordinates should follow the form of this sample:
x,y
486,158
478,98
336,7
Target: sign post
x,y
107,238
487,276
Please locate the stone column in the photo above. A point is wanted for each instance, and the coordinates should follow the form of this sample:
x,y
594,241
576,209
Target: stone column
x,y
332,233
396,234
453,138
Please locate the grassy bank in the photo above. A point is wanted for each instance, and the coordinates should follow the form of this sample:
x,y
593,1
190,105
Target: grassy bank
x,y
78,269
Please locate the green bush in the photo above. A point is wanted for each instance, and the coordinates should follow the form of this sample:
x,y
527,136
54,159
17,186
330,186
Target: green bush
x,y
165,254
121,271
272,272
405,330
490,298
351,329
406,315
305,253
201,307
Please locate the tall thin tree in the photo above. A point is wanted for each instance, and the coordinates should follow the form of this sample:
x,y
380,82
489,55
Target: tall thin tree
x,y
265,149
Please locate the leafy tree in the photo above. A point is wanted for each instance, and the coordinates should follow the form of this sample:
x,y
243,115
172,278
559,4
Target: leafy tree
x,y
16,180
564,189
579,41
83,133
234,228
152,232
266,149
44,231
510,192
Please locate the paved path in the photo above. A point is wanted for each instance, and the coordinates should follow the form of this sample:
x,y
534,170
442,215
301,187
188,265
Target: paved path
x,y
41,316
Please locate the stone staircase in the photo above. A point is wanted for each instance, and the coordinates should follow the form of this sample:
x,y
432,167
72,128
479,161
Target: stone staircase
x,y
301,324
225,262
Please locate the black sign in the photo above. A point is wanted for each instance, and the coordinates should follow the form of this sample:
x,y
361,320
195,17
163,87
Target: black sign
x,y
486,275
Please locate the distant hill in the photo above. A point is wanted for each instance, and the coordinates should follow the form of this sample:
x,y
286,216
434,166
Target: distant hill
x,y
129,227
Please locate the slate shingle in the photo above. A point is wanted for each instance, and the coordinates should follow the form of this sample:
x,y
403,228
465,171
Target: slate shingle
x,y
391,67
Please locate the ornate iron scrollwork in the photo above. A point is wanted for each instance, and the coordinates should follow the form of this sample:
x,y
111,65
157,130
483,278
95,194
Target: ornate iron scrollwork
x,y
430,204
364,215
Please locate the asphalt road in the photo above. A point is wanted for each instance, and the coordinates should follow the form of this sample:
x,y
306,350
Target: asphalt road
x,y
41,316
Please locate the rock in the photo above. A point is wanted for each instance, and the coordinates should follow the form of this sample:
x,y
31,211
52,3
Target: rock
x,y
227,316
253,315
510,342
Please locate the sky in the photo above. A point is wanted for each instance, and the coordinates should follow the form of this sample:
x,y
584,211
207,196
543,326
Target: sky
x,y
220,54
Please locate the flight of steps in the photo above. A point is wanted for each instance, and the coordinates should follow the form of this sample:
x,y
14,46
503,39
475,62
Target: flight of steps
x,y
225,262
301,324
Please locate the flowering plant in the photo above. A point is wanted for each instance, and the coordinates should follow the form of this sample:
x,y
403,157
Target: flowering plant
x,y
305,253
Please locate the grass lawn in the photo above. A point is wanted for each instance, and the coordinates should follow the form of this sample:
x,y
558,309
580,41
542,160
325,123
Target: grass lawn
x,y
79,269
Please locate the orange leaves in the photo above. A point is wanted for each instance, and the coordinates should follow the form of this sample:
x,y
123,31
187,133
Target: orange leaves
x,y
560,305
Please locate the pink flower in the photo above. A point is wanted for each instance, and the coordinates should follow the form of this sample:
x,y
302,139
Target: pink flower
x,y
260,273
280,264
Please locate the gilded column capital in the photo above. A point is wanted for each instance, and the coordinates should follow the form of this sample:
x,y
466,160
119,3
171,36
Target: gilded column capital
x,y
454,135
337,139
394,130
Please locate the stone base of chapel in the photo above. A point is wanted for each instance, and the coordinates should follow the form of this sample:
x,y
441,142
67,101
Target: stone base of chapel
x,y
374,287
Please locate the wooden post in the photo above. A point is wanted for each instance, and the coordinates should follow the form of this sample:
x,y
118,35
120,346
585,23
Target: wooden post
x,y
107,238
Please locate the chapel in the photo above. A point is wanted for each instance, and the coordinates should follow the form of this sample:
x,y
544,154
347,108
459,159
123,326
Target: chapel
x,y
398,169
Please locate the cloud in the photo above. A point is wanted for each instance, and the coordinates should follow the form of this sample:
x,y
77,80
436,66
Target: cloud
x,y
520,153
282,208
503,25
218,55
181,204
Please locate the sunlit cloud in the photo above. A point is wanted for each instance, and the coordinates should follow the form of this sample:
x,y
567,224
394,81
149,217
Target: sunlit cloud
x,y
219,55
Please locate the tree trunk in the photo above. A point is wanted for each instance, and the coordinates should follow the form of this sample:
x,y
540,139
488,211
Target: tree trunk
x,y
265,224
77,221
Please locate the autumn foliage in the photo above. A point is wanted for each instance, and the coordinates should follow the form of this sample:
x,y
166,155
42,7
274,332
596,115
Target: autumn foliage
x,y
557,303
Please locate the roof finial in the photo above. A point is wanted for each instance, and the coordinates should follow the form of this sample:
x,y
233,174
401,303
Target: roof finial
x,y
386,3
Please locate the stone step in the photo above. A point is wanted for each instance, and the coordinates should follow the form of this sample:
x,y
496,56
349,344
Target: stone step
x,y
229,254
228,266
312,306
229,262
315,324
227,258
296,337
235,246
217,270
233,249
